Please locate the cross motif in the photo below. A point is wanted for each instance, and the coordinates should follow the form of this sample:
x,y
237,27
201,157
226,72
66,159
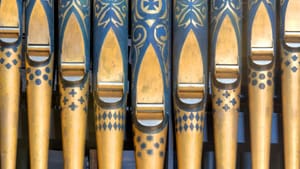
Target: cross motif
x,y
81,100
73,106
226,94
233,101
226,107
219,102
65,100
151,4
73,93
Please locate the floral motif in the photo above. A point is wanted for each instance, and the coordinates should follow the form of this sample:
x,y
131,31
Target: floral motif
x,y
111,11
256,2
190,12
225,7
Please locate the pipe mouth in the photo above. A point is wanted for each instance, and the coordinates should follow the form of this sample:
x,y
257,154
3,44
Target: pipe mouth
x,y
150,114
9,34
191,93
110,92
73,71
227,73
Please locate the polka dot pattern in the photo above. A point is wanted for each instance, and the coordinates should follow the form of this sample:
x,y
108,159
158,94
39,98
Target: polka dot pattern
x,y
261,79
39,75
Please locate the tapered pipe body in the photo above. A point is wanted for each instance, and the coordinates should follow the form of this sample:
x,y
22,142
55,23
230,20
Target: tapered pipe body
x,y
290,81
74,53
39,76
151,86
110,85
261,63
190,79
226,50
10,62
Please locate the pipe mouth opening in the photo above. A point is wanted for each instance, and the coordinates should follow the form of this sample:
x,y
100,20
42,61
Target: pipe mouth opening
x,y
292,38
110,92
191,93
9,34
262,56
227,73
150,114
73,71
38,52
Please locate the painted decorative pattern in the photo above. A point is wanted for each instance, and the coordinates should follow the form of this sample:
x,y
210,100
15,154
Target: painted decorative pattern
x,y
74,99
44,73
189,121
221,8
149,144
271,8
111,15
10,56
226,100
39,75
114,12
191,12
257,2
48,8
290,61
151,25
261,79
81,9
110,120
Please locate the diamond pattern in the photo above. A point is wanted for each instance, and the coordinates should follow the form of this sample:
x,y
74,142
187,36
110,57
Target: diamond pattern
x,y
185,117
294,58
8,65
8,54
112,120
2,60
191,116
188,121
226,107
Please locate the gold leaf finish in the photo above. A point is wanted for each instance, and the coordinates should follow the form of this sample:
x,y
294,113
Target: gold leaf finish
x,y
261,92
73,46
226,104
261,29
290,106
74,102
226,48
150,84
190,55
110,62
261,87
291,18
38,25
8,11
110,125
38,86
9,107
189,138
150,148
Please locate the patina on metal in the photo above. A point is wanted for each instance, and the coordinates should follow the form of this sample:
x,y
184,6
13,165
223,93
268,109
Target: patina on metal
x,y
290,80
261,64
110,85
74,60
39,60
226,51
10,62
150,81
190,79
